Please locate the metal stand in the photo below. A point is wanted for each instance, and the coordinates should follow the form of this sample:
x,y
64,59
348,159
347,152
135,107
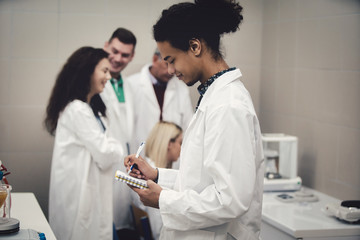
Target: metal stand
x,y
10,226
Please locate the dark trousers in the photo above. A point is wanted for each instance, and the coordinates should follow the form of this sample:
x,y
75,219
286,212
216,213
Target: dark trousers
x,y
126,234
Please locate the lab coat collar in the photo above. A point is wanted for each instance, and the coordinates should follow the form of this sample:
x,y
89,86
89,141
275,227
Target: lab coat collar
x,y
146,84
223,80
112,98
202,88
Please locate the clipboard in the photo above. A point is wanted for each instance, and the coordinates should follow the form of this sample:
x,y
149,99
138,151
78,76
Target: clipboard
x,y
136,182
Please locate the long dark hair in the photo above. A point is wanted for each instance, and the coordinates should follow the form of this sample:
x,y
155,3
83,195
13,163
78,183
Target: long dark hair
x,y
205,20
73,82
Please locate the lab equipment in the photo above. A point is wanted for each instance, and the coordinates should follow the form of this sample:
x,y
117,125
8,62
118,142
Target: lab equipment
x,y
299,196
8,225
25,234
4,172
5,202
307,221
284,197
348,211
280,152
27,210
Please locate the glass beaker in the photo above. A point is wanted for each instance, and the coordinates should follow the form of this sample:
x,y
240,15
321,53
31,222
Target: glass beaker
x,y
5,202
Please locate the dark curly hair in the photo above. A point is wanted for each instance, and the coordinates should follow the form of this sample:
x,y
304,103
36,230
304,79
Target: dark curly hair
x,y
205,19
73,82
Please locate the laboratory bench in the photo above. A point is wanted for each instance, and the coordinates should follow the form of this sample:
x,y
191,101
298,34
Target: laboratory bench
x,y
303,220
26,209
280,220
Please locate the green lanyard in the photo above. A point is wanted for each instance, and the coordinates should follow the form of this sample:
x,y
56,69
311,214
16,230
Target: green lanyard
x,y
118,88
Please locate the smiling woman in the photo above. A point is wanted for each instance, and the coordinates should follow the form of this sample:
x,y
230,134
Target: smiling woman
x,y
80,202
99,78
76,81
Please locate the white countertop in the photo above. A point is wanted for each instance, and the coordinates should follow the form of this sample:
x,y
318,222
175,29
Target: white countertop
x,y
26,209
305,219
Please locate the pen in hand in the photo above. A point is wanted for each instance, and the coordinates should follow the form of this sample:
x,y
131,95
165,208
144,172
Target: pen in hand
x,y
142,145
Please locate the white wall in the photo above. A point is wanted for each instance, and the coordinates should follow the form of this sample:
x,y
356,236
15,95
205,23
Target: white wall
x,y
37,36
310,88
300,60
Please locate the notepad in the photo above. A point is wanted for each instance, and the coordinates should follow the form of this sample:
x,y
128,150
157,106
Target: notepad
x,y
136,182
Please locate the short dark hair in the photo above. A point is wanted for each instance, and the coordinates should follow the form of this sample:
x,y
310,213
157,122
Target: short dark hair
x,y
73,82
205,20
124,36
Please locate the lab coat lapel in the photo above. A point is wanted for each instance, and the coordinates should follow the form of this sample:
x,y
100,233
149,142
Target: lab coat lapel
x,y
169,93
191,125
112,98
223,80
219,83
147,86
129,105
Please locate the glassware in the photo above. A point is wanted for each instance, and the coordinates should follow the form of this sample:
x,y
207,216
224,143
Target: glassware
x,y
3,195
5,202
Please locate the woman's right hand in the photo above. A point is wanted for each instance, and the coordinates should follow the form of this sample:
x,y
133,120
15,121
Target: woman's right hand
x,y
142,169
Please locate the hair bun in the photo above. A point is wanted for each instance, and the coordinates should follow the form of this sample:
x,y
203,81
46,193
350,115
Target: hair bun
x,y
222,16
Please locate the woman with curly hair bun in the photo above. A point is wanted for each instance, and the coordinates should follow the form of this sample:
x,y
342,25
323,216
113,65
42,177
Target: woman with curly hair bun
x,y
217,191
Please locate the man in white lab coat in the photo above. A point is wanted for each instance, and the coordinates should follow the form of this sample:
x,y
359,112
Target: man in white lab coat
x,y
159,96
118,100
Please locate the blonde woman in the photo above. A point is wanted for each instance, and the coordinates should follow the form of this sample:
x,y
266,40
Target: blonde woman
x,y
162,148
163,144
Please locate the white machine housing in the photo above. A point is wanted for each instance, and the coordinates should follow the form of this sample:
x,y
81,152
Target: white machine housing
x,y
286,148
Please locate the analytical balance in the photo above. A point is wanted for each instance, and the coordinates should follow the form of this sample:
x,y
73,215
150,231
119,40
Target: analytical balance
x,y
280,153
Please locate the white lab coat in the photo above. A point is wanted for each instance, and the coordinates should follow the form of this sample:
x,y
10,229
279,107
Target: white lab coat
x,y
121,122
80,199
153,213
177,106
217,193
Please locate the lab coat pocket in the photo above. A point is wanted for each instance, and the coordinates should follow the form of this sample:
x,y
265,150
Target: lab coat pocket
x,y
239,231
193,163
194,235
86,208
